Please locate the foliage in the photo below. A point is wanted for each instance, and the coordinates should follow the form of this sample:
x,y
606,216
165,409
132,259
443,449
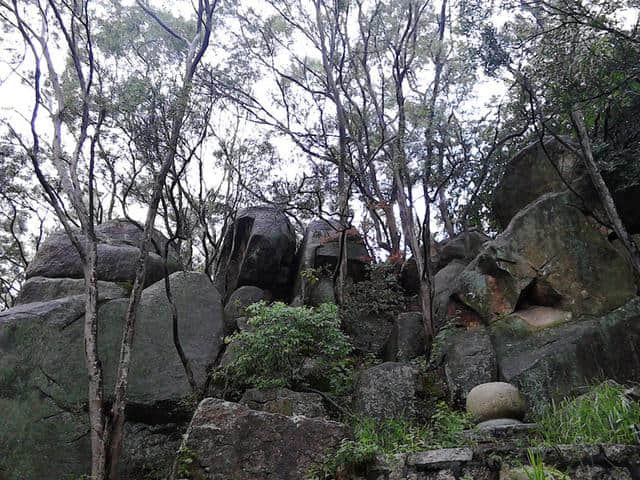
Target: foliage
x,y
604,415
379,295
373,437
273,351
537,470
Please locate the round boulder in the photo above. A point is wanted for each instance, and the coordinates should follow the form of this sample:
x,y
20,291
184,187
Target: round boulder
x,y
494,400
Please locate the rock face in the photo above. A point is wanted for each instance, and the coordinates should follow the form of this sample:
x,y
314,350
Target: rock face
x,y
43,386
469,361
258,250
238,302
407,340
387,391
463,246
117,255
42,289
490,401
321,249
530,174
285,402
552,363
550,255
230,441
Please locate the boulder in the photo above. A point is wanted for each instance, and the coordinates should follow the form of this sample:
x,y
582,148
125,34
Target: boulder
x,y
285,402
388,390
369,332
118,253
469,361
318,255
494,400
444,285
552,363
239,301
231,441
42,289
550,255
462,247
43,379
258,250
407,340
531,174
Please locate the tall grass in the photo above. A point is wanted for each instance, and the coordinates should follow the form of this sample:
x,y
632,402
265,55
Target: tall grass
x,y
604,415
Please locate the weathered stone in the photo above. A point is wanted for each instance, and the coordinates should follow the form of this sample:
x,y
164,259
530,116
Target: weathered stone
x,y
550,255
550,364
230,441
150,450
321,292
118,253
442,456
238,302
469,361
444,285
320,249
407,340
369,333
258,250
495,400
284,402
530,174
462,247
498,423
42,289
43,386
387,391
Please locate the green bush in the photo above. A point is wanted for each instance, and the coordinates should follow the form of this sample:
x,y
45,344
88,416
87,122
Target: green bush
x,y
380,294
272,352
604,415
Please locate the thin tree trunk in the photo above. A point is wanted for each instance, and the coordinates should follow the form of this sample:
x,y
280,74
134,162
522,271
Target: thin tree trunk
x,y
603,191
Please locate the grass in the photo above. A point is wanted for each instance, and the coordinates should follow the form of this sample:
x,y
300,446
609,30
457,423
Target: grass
x,y
373,438
604,415
537,470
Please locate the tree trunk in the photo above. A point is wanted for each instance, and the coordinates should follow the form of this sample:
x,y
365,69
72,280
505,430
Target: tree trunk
x,y
603,191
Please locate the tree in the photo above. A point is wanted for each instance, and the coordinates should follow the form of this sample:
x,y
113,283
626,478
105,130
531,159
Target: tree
x,y
75,135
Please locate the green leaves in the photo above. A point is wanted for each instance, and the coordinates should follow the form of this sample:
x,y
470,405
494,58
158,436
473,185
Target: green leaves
x,y
281,338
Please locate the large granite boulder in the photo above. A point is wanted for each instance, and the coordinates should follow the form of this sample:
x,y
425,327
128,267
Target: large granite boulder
x,y
319,253
407,340
530,174
463,247
285,402
470,360
444,285
118,252
552,363
42,289
43,379
231,441
389,390
236,306
258,250
495,400
550,255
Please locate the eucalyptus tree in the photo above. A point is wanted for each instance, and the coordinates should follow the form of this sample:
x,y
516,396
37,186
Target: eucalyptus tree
x,y
576,63
74,99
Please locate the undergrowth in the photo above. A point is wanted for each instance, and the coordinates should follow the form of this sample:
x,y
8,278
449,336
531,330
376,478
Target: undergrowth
x,y
604,415
373,438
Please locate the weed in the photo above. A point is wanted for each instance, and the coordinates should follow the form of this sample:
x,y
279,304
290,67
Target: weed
x,y
604,415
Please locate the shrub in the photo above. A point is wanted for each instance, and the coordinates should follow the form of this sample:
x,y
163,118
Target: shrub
x,y
272,352
378,295
604,415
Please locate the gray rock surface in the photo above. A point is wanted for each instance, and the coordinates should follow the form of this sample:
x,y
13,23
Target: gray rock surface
x,y
231,441
407,340
285,402
258,250
42,289
369,333
550,255
530,174
239,301
387,391
462,247
118,253
43,386
319,250
469,361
